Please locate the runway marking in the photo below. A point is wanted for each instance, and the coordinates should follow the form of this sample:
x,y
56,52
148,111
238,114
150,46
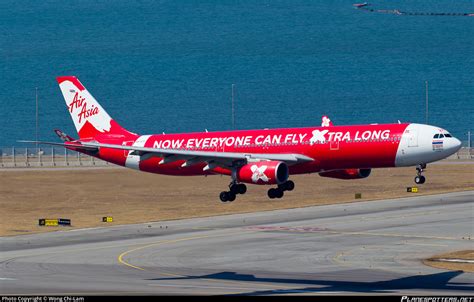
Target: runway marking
x,y
393,235
302,229
7,279
425,244
452,260
367,218
120,259
339,255
340,259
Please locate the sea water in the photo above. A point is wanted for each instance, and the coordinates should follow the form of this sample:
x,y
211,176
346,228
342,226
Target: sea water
x,y
169,66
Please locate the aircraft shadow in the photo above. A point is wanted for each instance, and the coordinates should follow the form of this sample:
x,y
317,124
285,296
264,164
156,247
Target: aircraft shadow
x,y
438,281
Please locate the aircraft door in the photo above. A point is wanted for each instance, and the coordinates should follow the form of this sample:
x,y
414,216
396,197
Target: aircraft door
x,y
413,137
334,145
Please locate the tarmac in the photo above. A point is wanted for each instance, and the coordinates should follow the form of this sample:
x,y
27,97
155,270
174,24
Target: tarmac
x,y
373,247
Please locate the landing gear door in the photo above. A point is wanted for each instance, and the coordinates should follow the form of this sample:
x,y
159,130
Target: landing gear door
x,y
413,137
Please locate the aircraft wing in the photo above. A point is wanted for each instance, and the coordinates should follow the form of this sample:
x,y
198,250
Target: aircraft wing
x,y
224,159
194,157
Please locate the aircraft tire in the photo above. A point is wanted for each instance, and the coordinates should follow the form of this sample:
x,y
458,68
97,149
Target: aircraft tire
x,y
231,196
420,179
279,193
272,193
289,185
224,196
241,188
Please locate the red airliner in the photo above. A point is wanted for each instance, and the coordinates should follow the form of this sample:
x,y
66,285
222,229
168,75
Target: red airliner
x,y
262,157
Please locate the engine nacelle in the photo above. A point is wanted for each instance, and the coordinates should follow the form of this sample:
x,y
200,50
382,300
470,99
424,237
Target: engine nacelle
x,y
347,173
264,173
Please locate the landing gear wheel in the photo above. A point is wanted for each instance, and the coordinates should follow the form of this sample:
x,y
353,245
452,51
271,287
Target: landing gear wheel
x,y
272,193
227,196
290,185
423,179
275,193
279,193
223,196
231,196
420,179
237,188
287,186
233,188
241,188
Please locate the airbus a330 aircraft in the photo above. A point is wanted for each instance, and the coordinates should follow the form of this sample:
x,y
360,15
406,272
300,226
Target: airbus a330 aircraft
x,y
262,157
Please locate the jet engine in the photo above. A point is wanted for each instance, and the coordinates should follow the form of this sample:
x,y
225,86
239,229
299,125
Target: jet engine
x,y
263,173
347,173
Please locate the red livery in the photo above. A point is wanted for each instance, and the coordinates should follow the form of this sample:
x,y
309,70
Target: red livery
x,y
262,157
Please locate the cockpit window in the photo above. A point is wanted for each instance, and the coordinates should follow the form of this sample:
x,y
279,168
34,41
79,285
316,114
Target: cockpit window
x,y
441,136
436,136
448,135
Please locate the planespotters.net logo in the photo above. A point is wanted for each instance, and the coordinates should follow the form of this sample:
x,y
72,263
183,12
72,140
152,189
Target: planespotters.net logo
x,y
437,299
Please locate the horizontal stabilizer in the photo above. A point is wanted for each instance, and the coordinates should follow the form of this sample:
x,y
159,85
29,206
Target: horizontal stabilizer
x,y
77,145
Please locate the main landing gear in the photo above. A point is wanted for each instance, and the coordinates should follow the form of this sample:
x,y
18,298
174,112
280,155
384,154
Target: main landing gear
x,y
279,191
234,189
419,178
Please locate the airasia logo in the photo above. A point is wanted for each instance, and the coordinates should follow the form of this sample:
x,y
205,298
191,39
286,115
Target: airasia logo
x,y
258,173
79,102
318,136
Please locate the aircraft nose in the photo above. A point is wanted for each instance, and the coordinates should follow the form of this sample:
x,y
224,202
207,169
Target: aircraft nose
x,y
456,144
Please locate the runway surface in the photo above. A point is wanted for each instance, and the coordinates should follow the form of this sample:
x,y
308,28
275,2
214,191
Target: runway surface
x,y
365,248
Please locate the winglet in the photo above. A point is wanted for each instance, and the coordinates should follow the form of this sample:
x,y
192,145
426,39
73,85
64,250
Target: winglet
x,y
326,122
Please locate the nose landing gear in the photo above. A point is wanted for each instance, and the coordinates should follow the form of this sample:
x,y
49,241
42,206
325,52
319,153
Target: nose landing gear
x,y
419,178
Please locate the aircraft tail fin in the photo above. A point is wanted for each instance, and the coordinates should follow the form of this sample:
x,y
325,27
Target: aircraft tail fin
x,y
88,116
